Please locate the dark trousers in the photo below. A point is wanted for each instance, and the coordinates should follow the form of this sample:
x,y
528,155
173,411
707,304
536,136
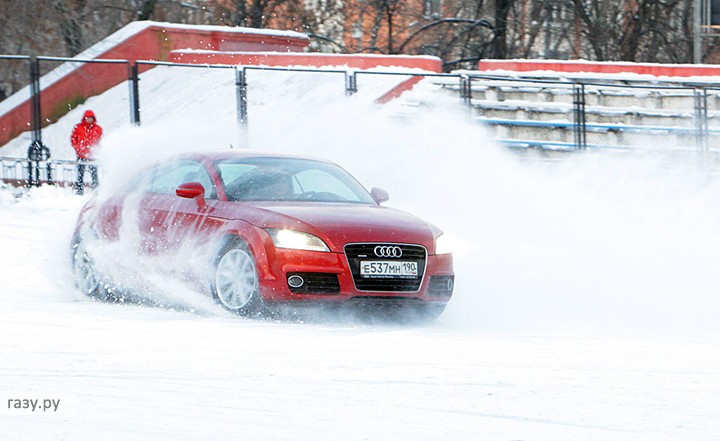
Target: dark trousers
x,y
80,185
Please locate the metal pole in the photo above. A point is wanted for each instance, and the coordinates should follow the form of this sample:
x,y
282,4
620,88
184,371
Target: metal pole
x,y
241,93
350,83
579,116
34,151
701,119
697,32
466,90
36,115
242,104
37,152
134,80
49,171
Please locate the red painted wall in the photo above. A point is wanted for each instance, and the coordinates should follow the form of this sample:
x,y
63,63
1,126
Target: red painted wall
x,y
354,61
660,70
15,122
160,43
151,43
399,90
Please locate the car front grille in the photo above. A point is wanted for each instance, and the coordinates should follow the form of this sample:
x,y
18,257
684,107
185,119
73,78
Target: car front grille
x,y
357,253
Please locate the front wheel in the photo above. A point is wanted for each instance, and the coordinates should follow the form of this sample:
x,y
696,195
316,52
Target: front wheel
x,y
430,313
235,281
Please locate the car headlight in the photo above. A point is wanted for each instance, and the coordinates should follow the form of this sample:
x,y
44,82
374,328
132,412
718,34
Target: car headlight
x,y
443,245
296,240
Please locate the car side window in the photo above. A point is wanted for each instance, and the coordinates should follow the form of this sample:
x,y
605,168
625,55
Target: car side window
x,y
141,182
168,177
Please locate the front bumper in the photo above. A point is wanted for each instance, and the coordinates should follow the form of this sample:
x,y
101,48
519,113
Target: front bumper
x,y
278,265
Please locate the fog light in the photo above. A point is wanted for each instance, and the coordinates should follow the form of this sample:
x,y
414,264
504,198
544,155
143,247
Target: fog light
x,y
450,285
295,281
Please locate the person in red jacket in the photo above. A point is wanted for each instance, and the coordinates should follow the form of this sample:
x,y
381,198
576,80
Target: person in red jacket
x,y
85,137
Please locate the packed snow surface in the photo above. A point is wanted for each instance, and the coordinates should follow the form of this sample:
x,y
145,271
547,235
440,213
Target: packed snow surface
x,y
585,306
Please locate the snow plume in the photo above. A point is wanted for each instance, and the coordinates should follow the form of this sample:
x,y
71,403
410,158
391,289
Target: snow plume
x,y
588,242
133,272
135,275
591,243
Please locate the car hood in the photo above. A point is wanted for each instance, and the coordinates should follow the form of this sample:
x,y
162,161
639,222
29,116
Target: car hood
x,y
340,224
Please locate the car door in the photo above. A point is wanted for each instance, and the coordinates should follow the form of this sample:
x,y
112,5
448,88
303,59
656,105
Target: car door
x,y
122,216
150,211
173,221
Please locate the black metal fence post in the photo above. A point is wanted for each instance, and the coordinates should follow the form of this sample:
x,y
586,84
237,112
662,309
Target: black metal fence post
x,y
466,90
134,82
33,165
241,93
351,87
37,151
579,116
701,119
36,116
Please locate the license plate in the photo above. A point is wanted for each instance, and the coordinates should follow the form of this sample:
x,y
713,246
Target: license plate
x,y
372,268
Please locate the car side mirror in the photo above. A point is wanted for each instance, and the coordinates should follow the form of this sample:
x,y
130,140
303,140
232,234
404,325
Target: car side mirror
x,y
379,195
192,190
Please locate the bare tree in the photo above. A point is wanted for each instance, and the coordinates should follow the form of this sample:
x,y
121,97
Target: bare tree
x,y
70,14
635,30
458,31
249,13
502,12
26,28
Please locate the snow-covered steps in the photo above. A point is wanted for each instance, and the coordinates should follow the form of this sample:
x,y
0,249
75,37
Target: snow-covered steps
x,y
616,112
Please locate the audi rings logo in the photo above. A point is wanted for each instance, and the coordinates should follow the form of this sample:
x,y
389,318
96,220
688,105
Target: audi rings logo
x,y
388,251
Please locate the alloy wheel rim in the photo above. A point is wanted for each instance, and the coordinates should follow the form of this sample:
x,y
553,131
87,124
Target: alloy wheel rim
x,y
235,279
85,277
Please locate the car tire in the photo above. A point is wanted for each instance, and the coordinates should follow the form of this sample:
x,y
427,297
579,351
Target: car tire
x,y
235,282
85,274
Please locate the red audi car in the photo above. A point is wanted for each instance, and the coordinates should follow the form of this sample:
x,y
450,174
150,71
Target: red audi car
x,y
281,229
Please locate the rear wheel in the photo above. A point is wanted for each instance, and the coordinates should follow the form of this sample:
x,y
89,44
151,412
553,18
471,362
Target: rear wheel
x,y
86,277
235,281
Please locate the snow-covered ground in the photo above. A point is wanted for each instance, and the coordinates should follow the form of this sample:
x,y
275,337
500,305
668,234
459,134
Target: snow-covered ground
x,y
585,308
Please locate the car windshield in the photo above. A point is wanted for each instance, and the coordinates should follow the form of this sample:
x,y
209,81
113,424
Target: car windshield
x,y
286,179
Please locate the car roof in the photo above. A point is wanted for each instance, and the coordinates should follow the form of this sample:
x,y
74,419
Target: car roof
x,y
232,153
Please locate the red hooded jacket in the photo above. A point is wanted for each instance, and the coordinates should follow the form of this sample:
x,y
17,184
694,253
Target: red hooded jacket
x,y
85,136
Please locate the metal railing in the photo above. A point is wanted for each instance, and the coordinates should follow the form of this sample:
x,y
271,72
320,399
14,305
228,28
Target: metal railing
x,y
691,106
39,167
26,172
585,95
